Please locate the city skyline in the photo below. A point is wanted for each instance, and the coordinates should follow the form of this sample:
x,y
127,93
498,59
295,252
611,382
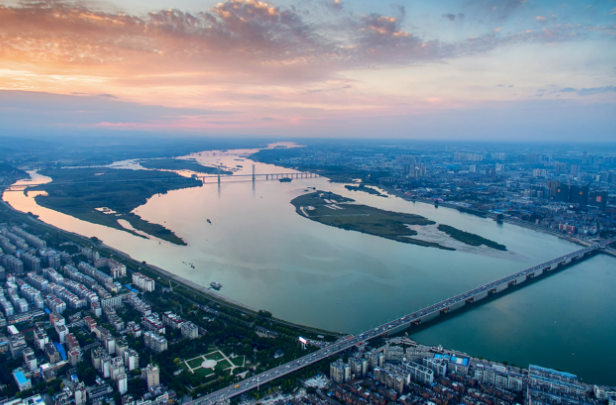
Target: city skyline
x,y
512,70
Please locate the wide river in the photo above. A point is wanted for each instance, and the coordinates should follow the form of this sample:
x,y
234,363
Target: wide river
x,y
269,257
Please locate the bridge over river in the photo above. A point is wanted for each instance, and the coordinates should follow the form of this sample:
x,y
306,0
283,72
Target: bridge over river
x,y
205,179
400,324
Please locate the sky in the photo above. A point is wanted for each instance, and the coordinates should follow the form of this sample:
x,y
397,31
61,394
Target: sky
x,y
462,70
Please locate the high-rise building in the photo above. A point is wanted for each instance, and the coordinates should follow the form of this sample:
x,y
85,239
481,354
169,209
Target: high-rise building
x,y
579,195
340,372
122,382
79,391
152,376
598,199
562,193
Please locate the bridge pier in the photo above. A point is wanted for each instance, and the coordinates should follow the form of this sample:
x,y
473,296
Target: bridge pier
x,y
554,266
501,287
520,280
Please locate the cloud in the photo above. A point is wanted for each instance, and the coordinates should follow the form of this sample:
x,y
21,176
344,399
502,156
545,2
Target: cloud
x,y
76,110
254,38
235,41
540,18
588,91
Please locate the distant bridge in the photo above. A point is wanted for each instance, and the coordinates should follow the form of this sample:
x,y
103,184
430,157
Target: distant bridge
x,y
204,179
398,325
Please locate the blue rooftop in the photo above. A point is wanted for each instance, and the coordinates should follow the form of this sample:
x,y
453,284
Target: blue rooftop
x,y
60,350
131,288
21,378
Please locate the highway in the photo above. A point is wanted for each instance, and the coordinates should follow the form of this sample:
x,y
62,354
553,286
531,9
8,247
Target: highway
x,y
393,326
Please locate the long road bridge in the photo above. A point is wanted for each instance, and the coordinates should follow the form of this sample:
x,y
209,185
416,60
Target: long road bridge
x,y
398,325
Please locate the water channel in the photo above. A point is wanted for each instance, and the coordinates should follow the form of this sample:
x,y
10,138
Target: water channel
x,y
269,257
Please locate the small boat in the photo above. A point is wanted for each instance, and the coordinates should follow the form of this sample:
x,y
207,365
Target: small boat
x,y
209,222
216,285
285,180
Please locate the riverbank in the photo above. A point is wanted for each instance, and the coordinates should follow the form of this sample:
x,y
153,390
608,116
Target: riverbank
x,y
103,196
513,221
181,164
9,214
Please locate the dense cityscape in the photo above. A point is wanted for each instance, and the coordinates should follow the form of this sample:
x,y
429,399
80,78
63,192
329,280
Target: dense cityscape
x,y
568,191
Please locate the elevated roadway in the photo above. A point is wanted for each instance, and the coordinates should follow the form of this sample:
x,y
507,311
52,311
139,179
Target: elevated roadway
x,y
397,325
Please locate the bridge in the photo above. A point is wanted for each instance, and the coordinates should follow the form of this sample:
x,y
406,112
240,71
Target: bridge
x,y
398,325
260,176
204,179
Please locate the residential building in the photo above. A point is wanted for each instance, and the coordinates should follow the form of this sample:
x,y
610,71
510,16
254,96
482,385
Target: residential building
x,y
22,382
190,330
143,282
155,342
152,375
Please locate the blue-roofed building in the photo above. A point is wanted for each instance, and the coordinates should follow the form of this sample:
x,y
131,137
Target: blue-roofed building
x,y
22,382
60,349
455,363
131,289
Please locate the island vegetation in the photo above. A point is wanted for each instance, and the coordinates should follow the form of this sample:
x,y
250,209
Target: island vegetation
x,y
365,189
332,209
470,238
79,192
181,164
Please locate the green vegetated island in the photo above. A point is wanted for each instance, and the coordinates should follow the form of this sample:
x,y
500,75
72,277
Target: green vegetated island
x,y
365,189
180,164
470,238
334,210
79,192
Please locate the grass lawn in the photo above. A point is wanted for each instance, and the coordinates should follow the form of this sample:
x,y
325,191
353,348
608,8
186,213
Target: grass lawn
x,y
238,361
222,365
214,356
195,363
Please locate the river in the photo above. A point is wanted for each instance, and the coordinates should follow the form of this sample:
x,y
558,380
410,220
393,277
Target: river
x,y
269,257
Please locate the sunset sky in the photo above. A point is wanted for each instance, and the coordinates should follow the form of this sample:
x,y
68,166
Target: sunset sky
x,y
468,69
